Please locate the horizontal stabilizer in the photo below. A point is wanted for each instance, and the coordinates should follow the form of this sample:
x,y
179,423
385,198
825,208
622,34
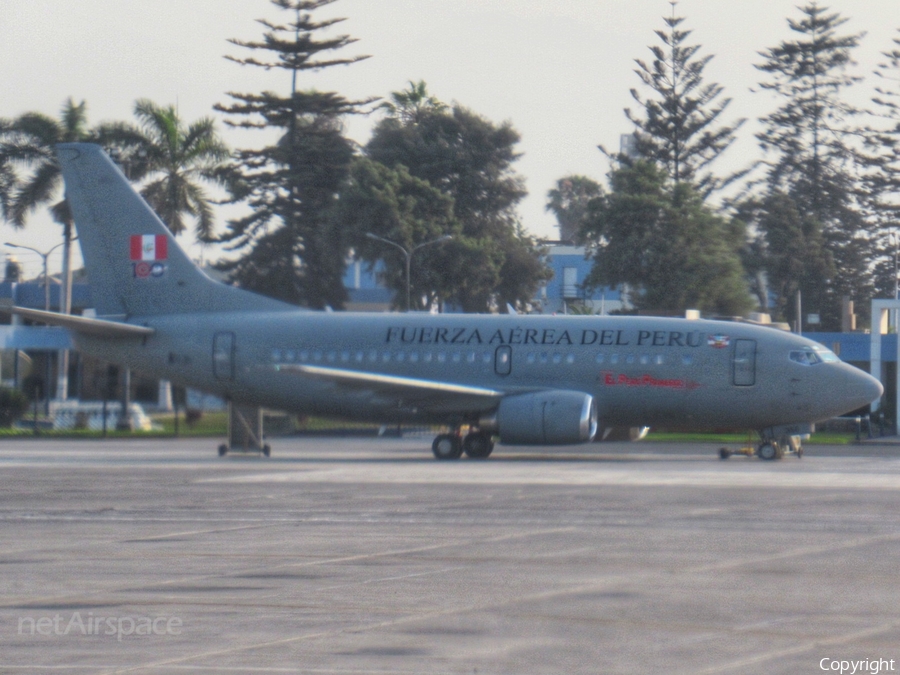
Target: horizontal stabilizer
x,y
80,324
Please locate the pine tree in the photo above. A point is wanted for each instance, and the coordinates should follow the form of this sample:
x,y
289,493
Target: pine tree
x,y
789,254
810,155
678,126
289,243
882,168
666,244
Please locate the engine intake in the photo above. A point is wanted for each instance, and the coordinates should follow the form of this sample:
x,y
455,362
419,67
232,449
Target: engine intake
x,y
545,418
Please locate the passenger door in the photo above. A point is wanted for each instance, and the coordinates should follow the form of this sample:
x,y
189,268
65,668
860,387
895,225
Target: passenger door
x,y
223,356
744,363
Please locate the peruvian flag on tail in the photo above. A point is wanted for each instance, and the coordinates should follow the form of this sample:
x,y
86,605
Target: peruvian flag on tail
x,y
149,247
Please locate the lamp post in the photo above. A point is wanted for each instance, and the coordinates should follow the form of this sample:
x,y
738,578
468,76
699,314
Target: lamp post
x,y
45,256
895,242
408,254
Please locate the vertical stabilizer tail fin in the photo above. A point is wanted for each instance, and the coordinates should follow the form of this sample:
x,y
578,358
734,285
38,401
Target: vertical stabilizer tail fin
x,y
133,263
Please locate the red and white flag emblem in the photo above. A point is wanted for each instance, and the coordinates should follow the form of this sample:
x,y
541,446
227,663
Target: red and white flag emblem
x,y
149,247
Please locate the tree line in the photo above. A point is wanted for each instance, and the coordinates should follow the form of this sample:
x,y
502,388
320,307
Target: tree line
x,y
430,171
810,216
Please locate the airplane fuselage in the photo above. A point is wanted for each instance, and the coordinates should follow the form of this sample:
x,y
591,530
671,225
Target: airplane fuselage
x,y
641,371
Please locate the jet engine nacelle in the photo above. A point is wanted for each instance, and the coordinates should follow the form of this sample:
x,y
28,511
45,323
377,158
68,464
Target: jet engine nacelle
x,y
545,418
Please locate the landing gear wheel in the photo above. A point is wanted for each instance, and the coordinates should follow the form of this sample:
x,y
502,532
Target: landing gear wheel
x,y
267,450
478,445
769,451
223,450
447,446
724,453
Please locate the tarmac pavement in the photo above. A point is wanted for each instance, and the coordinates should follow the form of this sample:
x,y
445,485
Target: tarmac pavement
x,y
368,556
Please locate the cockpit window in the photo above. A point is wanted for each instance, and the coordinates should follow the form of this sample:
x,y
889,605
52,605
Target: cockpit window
x,y
811,356
825,354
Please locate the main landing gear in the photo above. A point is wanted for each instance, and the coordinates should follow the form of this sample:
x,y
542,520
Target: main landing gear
x,y
476,445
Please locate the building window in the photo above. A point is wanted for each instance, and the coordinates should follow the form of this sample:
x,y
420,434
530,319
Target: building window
x,y
570,282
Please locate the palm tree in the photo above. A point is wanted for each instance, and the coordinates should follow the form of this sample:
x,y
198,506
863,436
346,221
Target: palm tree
x,y
7,181
411,103
175,160
30,141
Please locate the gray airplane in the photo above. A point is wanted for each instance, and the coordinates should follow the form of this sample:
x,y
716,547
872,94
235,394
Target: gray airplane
x,y
526,379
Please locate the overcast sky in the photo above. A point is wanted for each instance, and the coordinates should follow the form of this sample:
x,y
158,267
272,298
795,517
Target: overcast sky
x,y
559,71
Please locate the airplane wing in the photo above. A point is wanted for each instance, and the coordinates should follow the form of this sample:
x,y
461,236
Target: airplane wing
x,y
412,391
80,324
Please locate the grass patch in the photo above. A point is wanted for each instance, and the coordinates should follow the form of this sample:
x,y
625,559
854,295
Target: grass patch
x,y
213,423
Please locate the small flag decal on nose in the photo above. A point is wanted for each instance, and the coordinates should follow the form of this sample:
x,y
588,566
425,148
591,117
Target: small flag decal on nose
x,y
148,247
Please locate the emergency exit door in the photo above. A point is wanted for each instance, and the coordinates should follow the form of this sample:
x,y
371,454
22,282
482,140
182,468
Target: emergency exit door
x,y
503,360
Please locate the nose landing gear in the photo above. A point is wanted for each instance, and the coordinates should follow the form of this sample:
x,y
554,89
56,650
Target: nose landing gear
x,y
769,448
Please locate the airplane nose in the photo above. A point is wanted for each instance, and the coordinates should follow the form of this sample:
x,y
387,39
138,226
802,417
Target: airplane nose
x,y
862,388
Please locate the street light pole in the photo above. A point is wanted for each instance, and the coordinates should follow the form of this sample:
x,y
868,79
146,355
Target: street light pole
x,y
44,256
408,255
